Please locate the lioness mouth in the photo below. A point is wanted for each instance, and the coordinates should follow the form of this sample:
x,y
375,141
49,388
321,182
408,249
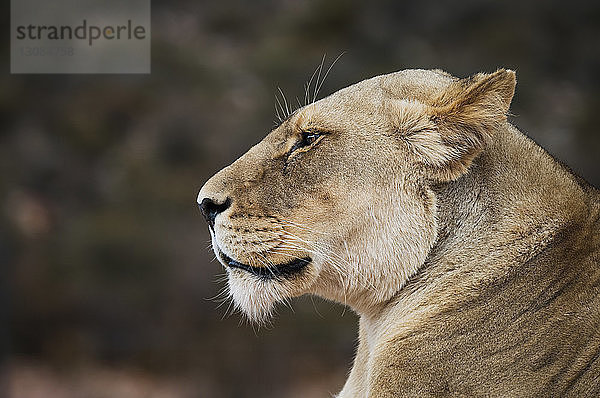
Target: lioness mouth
x,y
277,271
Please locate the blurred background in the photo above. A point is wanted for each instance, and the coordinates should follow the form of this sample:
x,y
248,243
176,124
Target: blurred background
x,y
107,282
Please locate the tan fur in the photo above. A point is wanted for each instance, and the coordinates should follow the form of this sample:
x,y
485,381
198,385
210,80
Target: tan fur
x,y
471,255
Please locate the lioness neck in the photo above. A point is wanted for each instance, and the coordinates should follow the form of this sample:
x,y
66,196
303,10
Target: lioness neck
x,y
513,203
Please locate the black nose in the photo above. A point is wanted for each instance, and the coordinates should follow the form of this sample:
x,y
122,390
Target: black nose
x,y
210,209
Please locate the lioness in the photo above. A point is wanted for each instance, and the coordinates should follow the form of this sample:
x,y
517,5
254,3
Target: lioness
x,y
470,254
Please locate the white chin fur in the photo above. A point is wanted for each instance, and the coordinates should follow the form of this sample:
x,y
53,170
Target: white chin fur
x,y
254,297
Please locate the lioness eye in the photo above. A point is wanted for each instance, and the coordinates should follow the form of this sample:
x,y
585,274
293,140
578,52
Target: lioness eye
x,y
308,137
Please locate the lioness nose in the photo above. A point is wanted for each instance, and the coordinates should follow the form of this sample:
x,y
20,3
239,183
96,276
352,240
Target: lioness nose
x,y
210,209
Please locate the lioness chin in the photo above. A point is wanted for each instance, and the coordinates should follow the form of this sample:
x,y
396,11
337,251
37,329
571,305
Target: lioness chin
x,y
470,254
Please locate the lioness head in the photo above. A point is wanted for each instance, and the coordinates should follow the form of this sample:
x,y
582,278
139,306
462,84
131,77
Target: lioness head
x,y
338,201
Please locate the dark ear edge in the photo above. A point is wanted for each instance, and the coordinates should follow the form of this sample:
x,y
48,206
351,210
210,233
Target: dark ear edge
x,y
480,86
473,110
479,101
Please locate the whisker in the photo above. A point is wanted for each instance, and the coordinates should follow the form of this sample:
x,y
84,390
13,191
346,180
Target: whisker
x,y
266,265
318,77
331,255
278,116
227,313
315,307
287,109
277,106
293,224
327,73
308,86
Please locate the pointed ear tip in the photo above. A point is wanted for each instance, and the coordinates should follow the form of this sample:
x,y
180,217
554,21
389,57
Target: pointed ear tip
x,y
512,74
507,74
504,79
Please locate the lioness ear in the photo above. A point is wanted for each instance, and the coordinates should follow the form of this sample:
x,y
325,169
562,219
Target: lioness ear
x,y
465,118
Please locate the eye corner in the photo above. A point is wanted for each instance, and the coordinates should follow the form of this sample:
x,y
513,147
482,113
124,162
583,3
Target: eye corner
x,y
310,135
306,139
310,132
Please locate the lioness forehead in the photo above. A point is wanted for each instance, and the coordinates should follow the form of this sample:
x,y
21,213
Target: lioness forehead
x,y
362,102
418,84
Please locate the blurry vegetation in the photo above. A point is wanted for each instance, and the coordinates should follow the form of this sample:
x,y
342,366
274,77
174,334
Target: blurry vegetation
x,y
104,256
